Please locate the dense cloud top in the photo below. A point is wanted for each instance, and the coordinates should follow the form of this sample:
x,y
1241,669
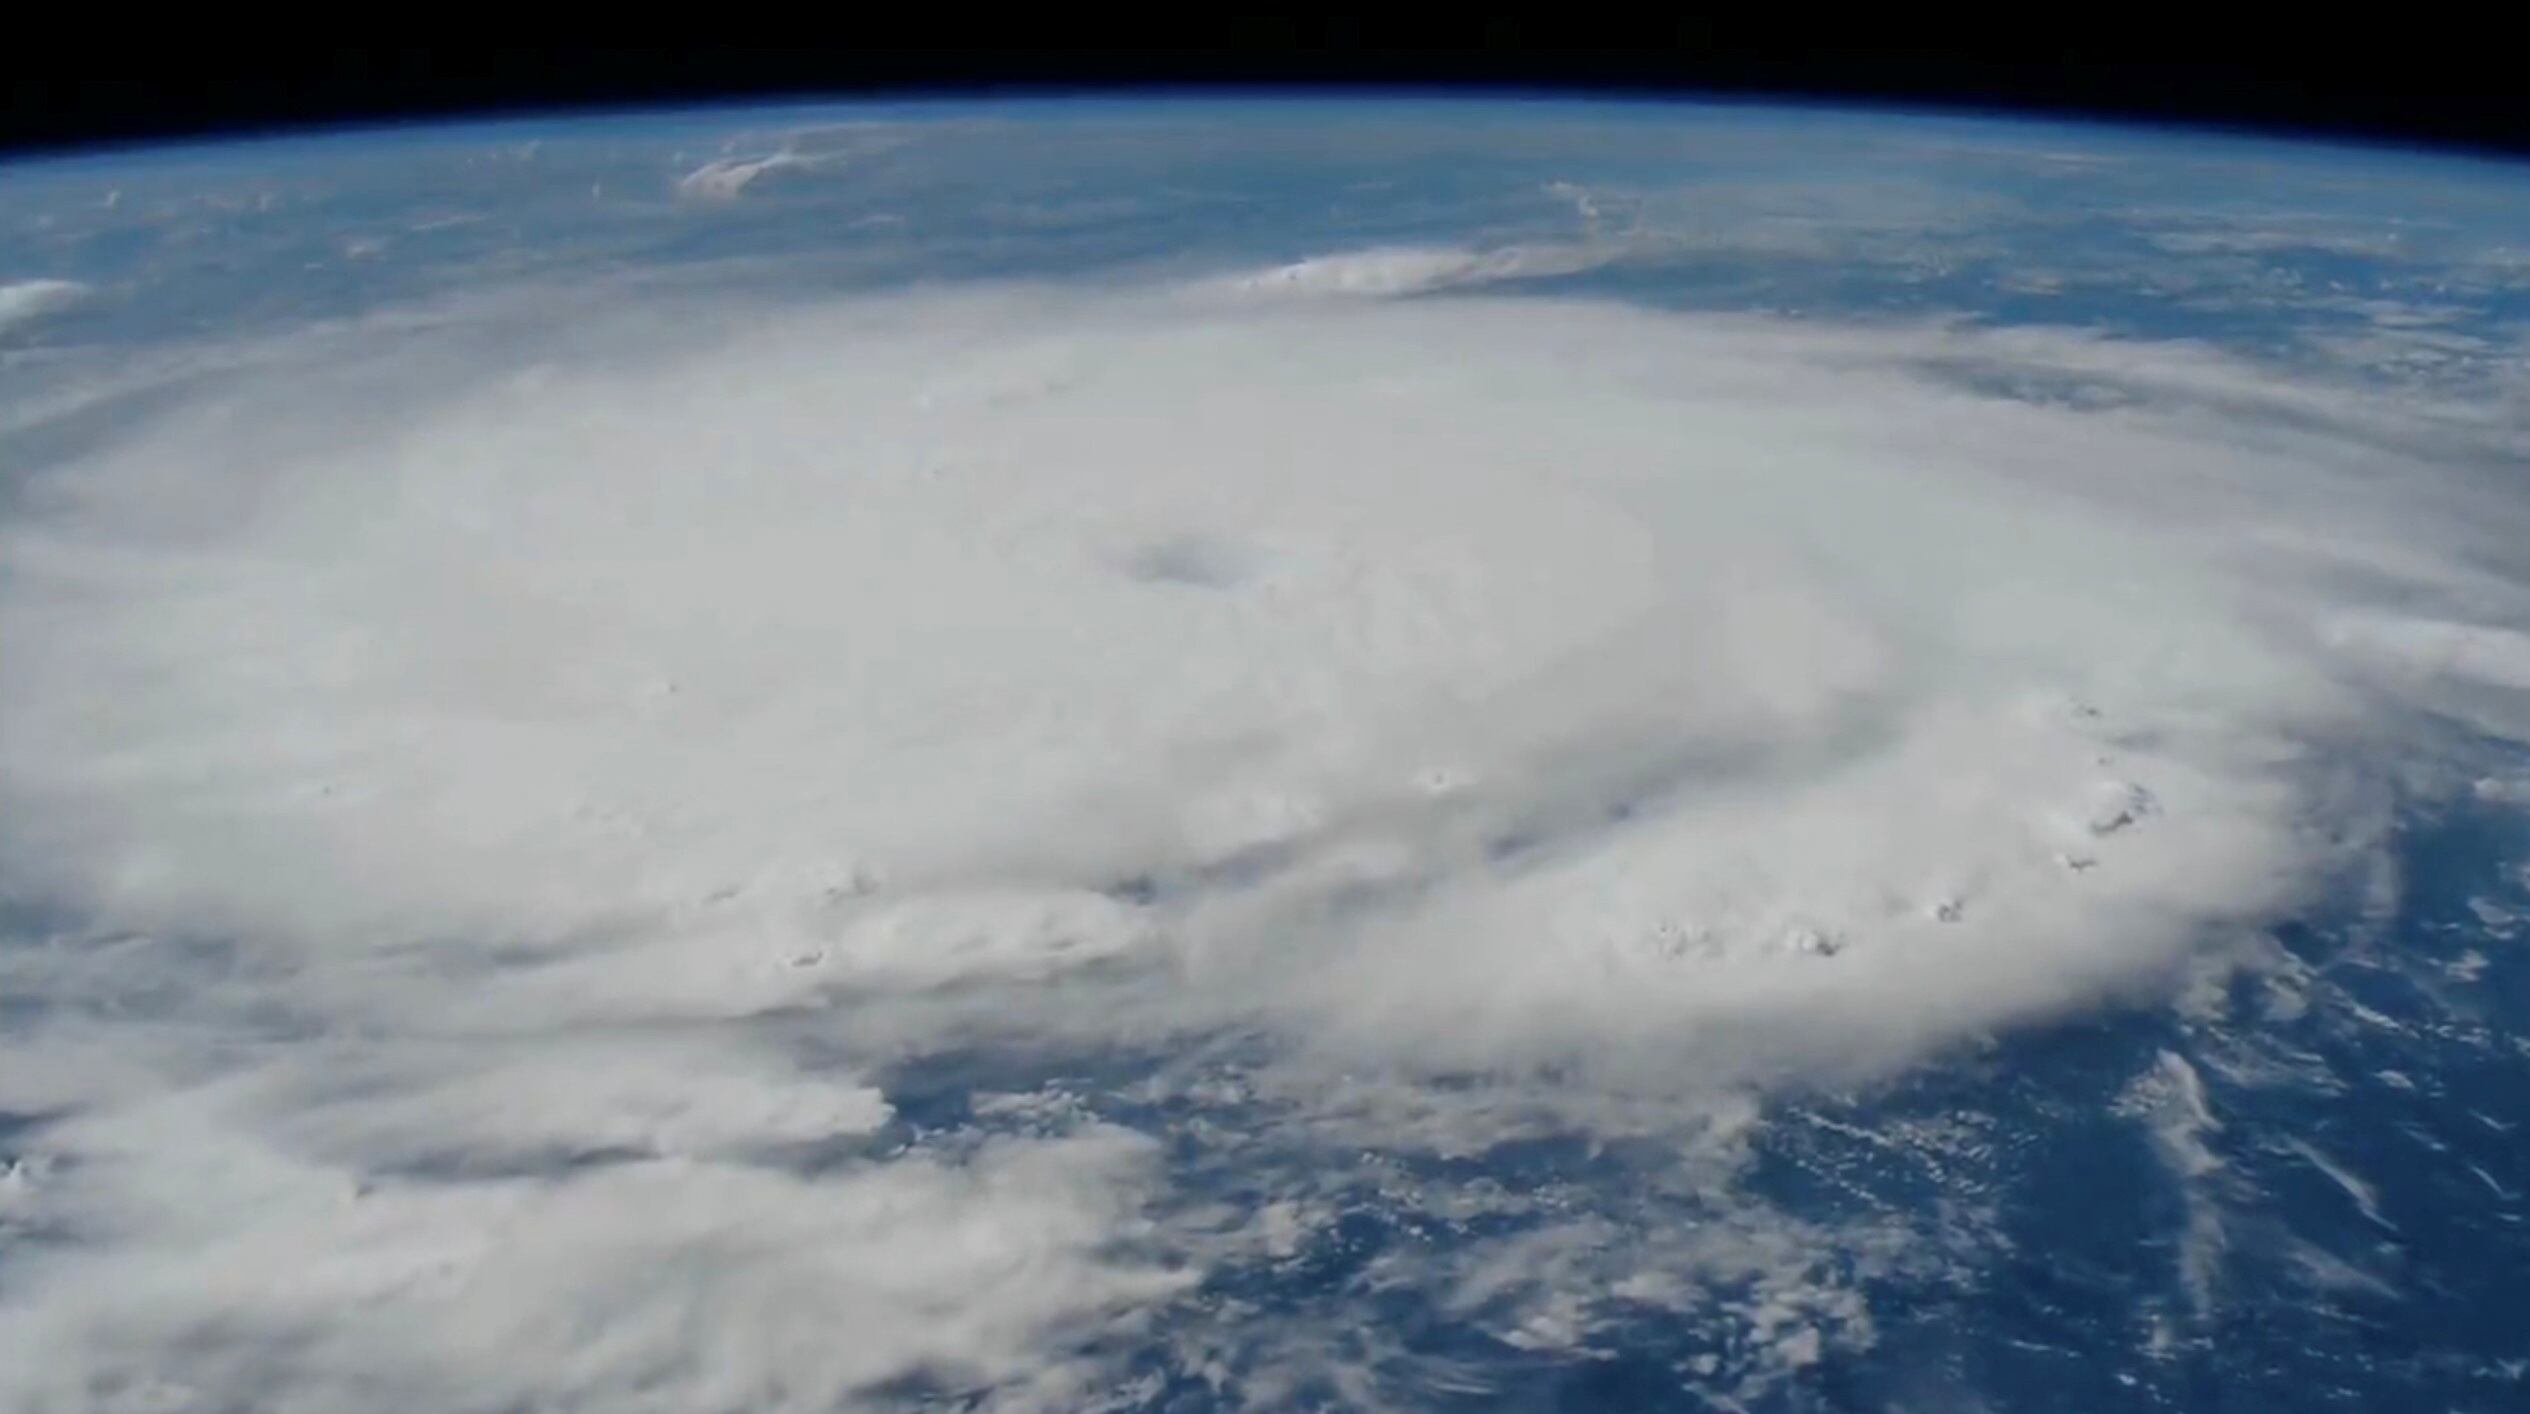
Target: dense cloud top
x,y
465,786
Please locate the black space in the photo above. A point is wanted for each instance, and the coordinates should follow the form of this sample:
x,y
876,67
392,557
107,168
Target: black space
x,y
2381,85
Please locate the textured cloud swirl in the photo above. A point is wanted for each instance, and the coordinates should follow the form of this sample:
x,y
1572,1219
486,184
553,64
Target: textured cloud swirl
x,y
506,807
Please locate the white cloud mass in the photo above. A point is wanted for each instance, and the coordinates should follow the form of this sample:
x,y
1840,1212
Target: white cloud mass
x,y
24,300
502,816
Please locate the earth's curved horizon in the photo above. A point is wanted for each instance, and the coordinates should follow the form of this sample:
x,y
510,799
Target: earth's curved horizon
x,y
1264,755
